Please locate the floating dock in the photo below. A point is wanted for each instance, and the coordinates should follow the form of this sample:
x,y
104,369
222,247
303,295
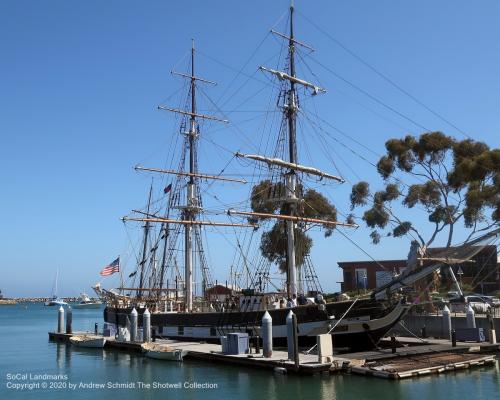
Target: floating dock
x,y
413,359
414,366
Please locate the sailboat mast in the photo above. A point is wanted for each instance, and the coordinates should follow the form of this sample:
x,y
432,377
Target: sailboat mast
x,y
290,177
189,211
145,247
55,284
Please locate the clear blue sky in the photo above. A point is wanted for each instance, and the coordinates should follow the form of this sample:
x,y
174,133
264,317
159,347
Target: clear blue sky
x,y
80,82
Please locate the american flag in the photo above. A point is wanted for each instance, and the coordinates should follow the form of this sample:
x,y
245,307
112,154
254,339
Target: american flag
x,y
111,268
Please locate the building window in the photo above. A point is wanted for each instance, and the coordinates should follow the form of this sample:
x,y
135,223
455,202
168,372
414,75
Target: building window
x,y
180,330
361,278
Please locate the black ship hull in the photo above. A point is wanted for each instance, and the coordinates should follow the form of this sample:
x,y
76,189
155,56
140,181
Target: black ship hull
x,y
362,328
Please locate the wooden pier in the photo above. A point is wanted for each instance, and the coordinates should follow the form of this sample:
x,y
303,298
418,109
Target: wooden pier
x,y
419,357
415,358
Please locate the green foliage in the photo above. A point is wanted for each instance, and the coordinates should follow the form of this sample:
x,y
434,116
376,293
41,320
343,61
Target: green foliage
x,y
428,194
432,147
315,205
359,194
266,198
458,179
385,166
402,229
442,214
376,217
274,245
264,195
391,192
375,236
350,219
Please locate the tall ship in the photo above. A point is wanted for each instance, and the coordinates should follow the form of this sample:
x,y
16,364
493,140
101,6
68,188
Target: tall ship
x,y
173,278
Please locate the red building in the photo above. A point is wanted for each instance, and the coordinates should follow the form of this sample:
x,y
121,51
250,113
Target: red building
x,y
481,273
369,274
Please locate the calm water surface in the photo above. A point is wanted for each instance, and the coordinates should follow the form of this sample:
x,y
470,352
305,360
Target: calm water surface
x,y
25,349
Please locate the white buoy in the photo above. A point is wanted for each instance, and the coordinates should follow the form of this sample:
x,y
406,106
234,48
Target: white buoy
x,y
267,335
289,334
492,333
133,325
446,322
471,317
146,326
60,320
69,320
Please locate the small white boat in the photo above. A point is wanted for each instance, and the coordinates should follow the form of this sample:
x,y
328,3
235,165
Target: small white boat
x,y
87,302
88,340
56,301
162,352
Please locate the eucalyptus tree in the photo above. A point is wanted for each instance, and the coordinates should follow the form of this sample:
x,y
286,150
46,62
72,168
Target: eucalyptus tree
x,y
265,198
454,182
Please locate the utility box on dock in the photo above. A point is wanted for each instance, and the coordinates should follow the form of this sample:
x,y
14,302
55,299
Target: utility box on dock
x,y
237,343
470,335
223,343
109,329
325,348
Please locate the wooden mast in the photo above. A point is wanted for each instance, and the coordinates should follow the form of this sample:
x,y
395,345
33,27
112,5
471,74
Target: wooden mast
x,y
290,177
144,248
190,211
192,207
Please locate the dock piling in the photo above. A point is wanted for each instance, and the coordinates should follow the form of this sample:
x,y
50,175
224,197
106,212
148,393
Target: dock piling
x,y
492,332
393,344
295,342
289,334
292,338
60,320
146,326
446,322
257,344
471,317
453,338
133,325
267,335
69,321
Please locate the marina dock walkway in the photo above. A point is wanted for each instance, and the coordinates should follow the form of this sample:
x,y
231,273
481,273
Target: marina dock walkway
x,y
414,358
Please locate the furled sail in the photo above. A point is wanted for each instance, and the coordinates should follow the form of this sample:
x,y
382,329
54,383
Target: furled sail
x,y
296,167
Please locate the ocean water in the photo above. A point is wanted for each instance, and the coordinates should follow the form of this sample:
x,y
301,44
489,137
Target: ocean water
x,y
28,361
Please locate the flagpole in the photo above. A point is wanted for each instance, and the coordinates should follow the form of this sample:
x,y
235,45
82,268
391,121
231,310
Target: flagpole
x,y
121,275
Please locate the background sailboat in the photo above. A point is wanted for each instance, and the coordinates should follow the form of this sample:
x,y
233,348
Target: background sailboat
x,y
54,300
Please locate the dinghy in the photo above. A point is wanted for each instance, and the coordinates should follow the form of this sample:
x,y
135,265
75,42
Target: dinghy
x,y
162,352
88,340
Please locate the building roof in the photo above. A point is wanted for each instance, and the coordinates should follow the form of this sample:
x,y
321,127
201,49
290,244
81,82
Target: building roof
x,y
383,263
432,251
219,289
